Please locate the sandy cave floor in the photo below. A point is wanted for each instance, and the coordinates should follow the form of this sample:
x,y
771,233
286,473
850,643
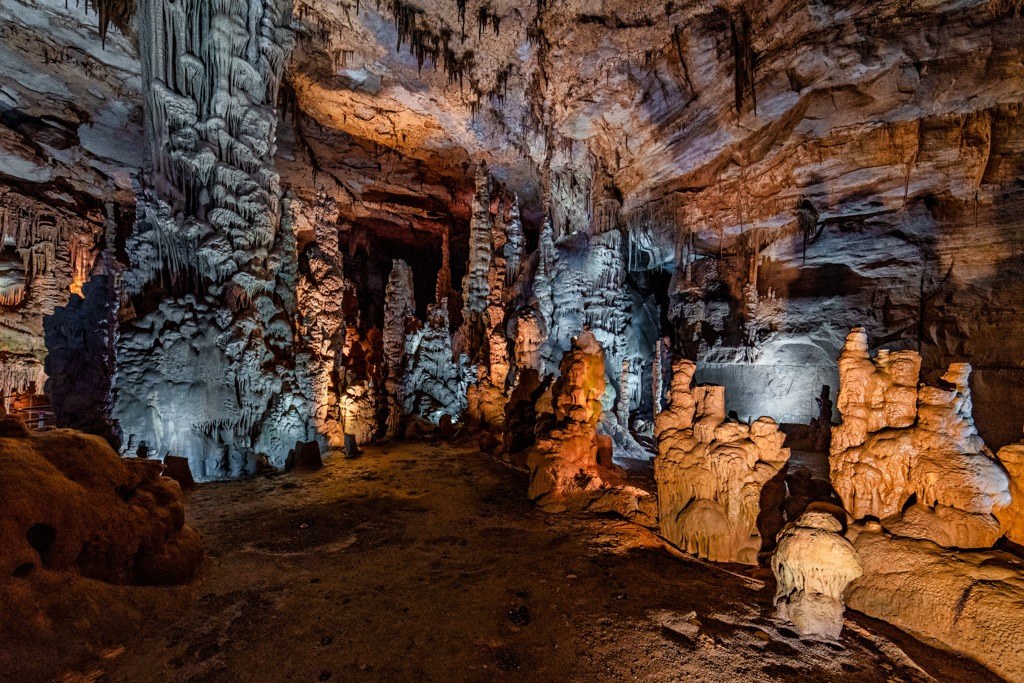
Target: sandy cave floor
x,y
426,562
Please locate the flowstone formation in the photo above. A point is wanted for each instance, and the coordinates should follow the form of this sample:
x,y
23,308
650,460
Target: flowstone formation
x,y
566,472
1011,518
813,563
900,443
710,471
209,370
69,503
971,602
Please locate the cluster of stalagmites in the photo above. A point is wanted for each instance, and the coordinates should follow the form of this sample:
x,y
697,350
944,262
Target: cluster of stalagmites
x,y
913,475
710,471
915,480
900,443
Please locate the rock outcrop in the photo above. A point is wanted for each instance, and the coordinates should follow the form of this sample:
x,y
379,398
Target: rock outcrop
x,y
970,602
899,441
710,471
69,503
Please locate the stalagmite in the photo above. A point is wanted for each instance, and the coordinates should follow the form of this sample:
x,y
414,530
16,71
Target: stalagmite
x,y
813,564
475,288
900,442
710,471
970,602
444,276
320,293
565,472
435,382
514,249
657,376
625,392
399,307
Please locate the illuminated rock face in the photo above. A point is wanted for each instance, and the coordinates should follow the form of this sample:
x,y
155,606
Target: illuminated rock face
x,y
210,372
1011,518
485,403
813,563
899,440
972,602
710,471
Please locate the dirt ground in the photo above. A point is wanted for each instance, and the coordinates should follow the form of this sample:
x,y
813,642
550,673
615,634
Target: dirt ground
x,y
421,562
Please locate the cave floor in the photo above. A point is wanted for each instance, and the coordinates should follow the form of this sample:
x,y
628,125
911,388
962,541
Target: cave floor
x,y
426,562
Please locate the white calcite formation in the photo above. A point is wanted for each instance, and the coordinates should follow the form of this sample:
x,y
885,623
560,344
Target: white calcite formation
x,y
579,282
434,383
899,441
813,563
710,471
210,371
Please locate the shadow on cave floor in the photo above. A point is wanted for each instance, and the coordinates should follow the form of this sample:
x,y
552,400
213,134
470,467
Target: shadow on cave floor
x,y
425,562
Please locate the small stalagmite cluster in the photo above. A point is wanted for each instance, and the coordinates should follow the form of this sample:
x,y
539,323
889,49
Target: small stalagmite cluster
x,y
911,456
710,471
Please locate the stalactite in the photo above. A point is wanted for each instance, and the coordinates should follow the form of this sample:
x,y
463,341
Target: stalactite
x,y
807,221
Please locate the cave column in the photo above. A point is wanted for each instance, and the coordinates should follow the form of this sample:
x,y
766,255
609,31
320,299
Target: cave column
x,y
208,367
